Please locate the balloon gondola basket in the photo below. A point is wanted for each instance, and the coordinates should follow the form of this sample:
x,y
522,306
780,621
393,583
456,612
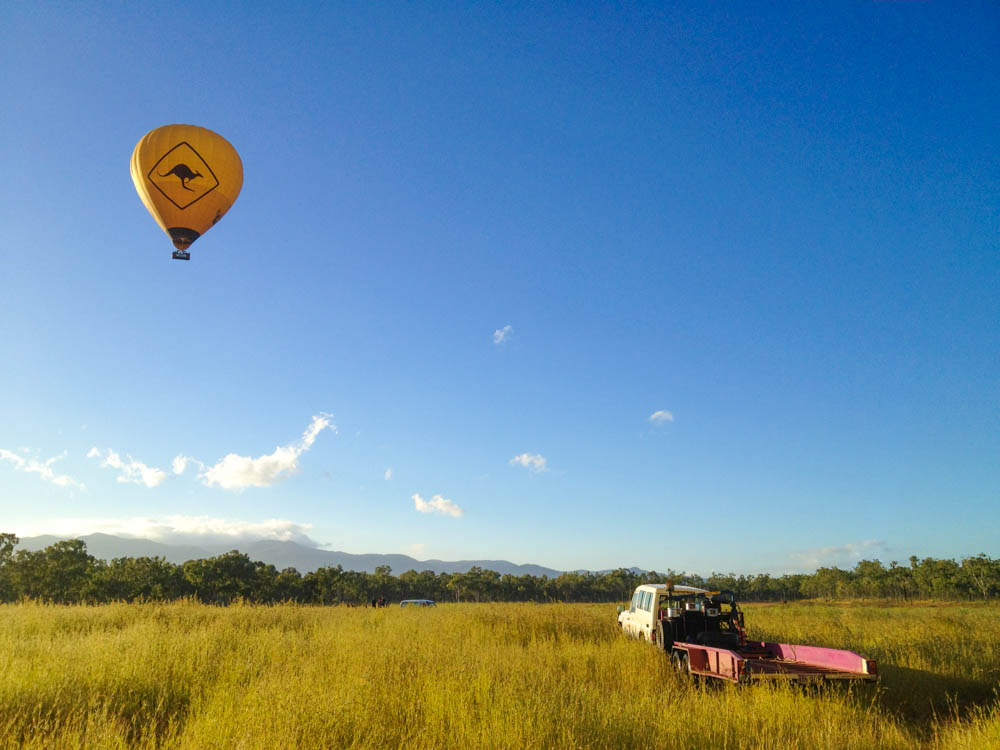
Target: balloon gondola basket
x,y
182,255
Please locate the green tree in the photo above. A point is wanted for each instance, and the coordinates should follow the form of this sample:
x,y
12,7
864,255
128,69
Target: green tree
x,y
618,585
870,579
936,579
288,586
481,584
572,586
219,580
900,581
983,575
60,573
142,578
383,584
325,585
827,582
7,544
456,585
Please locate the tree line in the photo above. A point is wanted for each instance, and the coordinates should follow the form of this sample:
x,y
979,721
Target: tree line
x,y
65,573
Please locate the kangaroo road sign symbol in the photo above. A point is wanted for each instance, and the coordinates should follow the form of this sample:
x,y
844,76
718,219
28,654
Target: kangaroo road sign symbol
x,y
183,176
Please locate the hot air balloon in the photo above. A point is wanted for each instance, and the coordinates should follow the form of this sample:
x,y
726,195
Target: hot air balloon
x,y
187,177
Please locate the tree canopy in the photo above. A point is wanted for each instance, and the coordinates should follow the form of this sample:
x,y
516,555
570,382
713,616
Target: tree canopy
x,y
65,573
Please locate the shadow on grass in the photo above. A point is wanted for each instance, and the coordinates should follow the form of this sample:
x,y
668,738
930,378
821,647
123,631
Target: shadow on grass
x,y
142,715
919,697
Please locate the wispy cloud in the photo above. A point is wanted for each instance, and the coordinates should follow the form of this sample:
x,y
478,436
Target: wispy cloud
x,y
42,468
501,335
661,417
180,463
388,474
176,529
437,504
417,549
236,472
131,471
534,462
845,555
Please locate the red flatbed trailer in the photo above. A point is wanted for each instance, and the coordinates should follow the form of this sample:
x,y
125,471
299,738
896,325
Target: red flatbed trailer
x,y
759,660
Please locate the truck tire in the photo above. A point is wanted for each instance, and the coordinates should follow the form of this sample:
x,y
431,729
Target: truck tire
x,y
664,636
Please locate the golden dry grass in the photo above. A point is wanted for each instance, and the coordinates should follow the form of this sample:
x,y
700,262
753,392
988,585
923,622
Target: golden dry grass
x,y
185,675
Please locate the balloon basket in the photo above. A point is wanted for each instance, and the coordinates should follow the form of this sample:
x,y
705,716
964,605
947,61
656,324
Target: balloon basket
x,y
182,255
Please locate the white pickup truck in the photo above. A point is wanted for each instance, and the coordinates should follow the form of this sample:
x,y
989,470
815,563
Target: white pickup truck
x,y
702,632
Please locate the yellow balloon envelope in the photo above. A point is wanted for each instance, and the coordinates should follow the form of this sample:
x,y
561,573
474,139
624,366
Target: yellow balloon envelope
x,y
187,177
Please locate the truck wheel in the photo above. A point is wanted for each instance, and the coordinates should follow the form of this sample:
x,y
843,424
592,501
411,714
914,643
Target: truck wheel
x,y
663,639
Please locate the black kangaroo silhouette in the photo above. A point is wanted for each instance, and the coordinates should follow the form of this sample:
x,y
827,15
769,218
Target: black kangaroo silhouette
x,y
184,173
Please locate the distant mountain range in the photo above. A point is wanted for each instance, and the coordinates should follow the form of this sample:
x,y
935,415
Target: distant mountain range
x,y
279,554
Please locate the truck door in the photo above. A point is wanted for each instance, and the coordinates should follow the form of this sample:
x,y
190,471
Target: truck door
x,y
633,615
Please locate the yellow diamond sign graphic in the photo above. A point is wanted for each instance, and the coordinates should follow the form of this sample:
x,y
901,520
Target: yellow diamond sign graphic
x,y
183,176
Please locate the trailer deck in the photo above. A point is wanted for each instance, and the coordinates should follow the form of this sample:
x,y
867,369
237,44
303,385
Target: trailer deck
x,y
768,669
756,661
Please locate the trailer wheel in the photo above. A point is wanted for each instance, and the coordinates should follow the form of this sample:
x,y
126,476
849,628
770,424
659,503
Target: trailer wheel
x,y
680,661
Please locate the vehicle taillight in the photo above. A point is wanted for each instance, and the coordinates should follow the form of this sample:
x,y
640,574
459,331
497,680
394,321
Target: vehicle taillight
x,y
871,667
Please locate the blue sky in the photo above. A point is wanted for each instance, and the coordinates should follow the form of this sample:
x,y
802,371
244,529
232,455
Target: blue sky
x,y
488,242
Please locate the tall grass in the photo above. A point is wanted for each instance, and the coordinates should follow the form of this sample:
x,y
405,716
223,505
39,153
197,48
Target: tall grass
x,y
935,660
186,675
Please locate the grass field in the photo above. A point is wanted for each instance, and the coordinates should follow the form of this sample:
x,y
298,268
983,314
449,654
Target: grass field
x,y
468,676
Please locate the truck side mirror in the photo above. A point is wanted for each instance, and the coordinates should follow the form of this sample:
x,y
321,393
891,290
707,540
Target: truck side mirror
x,y
620,609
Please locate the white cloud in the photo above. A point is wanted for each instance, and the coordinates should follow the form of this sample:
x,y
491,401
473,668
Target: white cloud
x,y
134,472
239,472
660,417
845,555
437,504
42,468
388,474
534,462
417,549
176,529
501,335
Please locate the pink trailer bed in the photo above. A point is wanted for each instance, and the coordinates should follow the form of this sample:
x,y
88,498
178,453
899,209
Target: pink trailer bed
x,y
758,660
